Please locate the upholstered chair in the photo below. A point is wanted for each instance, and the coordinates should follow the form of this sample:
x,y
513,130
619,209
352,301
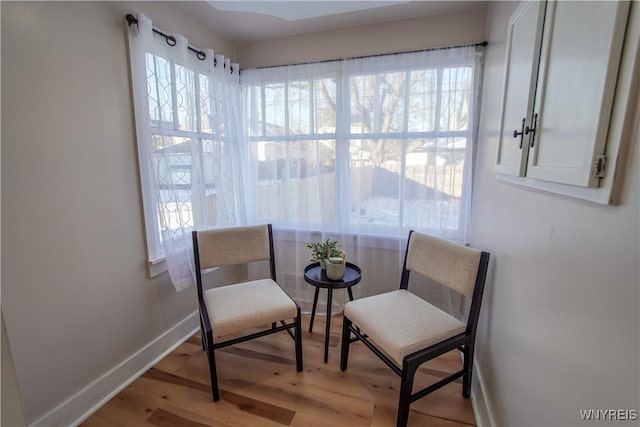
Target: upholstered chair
x,y
405,331
234,309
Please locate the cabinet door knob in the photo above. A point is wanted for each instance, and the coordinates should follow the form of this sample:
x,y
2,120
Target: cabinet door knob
x,y
521,133
532,130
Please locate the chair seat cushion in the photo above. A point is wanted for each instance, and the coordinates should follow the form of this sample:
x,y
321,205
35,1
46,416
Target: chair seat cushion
x,y
400,323
241,306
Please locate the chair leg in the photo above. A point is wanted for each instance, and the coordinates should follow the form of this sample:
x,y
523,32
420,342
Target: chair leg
x,y
212,368
406,388
202,334
299,342
468,371
346,340
313,309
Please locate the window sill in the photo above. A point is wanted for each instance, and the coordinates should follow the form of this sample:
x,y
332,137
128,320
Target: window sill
x,y
156,267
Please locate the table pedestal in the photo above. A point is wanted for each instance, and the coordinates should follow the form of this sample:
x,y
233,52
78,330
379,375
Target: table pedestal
x,y
317,277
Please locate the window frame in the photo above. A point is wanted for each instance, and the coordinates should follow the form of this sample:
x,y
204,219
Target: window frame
x,y
171,129
344,136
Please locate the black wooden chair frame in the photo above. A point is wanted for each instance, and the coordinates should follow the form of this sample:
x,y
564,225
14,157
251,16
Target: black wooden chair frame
x,y
206,331
465,342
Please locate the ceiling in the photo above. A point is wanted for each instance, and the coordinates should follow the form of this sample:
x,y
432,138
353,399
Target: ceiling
x,y
250,21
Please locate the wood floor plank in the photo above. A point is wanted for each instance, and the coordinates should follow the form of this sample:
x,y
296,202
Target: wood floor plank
x,y
97,420
318,337
384,414
310,402
179,356
310,420
195,340
158,375
258,356
262,409
417,418
162,418
196,405
127,408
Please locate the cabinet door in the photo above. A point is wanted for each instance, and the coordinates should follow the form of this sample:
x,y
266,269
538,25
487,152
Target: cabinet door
x,y
523,47
579,63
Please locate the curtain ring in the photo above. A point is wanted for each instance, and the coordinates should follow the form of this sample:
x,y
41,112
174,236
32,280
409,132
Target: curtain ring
x,y
171,41
201,55
215,61
231,70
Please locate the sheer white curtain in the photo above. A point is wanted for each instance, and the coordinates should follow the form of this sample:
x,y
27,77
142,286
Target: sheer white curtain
x,y
189,133
291,120
361,151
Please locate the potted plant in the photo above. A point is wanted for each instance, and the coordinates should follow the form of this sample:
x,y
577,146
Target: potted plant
x,y
336,264
320,251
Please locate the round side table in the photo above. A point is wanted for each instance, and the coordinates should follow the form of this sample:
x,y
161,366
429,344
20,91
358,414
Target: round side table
x,y
317,277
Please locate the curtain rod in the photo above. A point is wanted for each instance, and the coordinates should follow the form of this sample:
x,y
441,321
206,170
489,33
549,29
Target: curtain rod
x,y
481,44
171,41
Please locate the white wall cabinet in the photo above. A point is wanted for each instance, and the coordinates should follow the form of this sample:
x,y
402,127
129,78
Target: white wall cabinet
x,y
563,63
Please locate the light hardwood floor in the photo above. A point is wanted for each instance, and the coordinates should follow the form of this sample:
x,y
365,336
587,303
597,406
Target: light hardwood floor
x,y
260,387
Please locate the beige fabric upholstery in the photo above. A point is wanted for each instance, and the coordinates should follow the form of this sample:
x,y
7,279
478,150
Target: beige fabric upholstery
x,y
400,323
447,263
241,306
230,246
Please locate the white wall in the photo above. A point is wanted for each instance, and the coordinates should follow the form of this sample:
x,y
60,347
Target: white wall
x,y
406,35
76,296
560,324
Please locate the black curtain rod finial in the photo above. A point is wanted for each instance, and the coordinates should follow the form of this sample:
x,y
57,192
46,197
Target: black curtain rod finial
x,y
131,19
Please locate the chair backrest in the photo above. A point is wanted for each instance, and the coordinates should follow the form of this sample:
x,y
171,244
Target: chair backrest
x,y
458,267
447,263
231,246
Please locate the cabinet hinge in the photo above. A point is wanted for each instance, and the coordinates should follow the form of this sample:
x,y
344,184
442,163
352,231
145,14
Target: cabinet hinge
x,y
600,166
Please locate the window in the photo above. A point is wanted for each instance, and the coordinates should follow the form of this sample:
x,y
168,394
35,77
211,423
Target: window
x,y
172,95
188,122
378,145
292,133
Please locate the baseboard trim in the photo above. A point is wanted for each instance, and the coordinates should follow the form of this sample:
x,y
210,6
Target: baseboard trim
x,y
480,400
89,399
